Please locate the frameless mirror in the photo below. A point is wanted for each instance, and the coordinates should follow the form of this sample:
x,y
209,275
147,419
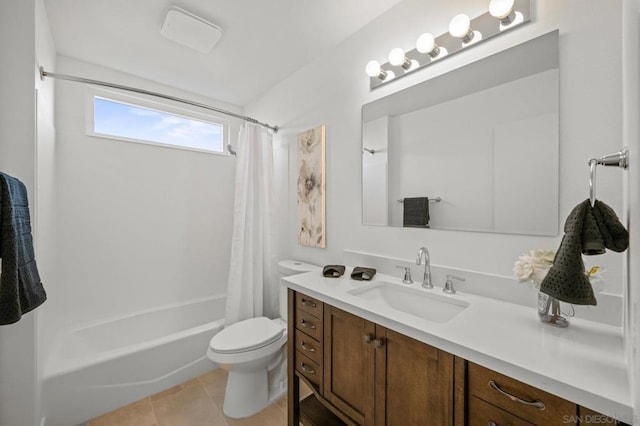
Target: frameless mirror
x,y
476,149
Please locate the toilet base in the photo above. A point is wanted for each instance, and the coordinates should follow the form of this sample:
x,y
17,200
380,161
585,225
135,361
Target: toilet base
x,y
247,393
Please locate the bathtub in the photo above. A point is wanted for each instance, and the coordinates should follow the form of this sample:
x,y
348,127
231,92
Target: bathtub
x,y
102,366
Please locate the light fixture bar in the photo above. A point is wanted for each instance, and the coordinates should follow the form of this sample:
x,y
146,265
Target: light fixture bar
x,y
487,25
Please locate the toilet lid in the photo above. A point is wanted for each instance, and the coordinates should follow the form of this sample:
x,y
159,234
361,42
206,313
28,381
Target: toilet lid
x,y
246,335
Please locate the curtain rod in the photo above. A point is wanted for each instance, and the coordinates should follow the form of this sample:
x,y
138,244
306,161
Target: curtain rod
x,y
44,74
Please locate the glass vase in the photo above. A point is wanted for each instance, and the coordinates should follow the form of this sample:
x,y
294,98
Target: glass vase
x,y
549,311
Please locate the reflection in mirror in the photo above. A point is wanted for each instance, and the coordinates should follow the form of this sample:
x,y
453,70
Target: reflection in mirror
x,y
482,138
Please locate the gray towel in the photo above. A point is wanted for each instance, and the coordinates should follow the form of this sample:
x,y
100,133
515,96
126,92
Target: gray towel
x,y
416,212
588,230
20,288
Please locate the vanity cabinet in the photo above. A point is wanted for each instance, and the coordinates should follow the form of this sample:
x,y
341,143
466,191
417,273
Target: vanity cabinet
x,y
362,373
496,399
379,377
349,364
368,374
414,382
493,399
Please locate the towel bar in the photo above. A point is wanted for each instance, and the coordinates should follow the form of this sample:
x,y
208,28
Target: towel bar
x,y
431,200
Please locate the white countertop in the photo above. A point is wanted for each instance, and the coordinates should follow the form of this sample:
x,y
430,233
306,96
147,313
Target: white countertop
x,y
583,363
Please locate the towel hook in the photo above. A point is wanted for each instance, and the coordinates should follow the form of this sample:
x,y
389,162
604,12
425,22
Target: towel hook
x,y
592,180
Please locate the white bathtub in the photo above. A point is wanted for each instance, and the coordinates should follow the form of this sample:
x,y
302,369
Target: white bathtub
x,y
97,368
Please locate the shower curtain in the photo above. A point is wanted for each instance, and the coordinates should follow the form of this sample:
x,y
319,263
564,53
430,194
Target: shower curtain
x,y
252,288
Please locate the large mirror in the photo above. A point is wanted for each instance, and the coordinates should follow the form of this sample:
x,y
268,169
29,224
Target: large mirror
x,y
475,149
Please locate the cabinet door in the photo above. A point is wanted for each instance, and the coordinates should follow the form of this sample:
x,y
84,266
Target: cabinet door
x,y
349,364
414,382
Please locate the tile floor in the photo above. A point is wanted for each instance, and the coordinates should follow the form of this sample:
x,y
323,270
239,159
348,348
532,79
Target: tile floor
x,y
197,402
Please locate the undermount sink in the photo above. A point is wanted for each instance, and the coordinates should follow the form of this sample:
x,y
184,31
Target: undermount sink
x,y
417,302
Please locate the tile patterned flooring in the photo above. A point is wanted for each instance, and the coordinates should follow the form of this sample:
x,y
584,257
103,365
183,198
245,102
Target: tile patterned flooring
x,y
197,402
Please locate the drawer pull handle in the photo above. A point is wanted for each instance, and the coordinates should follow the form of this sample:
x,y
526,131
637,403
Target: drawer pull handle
x,y
307,348
367,338
306,369
492,423
537,403
308,303
378,343
307,324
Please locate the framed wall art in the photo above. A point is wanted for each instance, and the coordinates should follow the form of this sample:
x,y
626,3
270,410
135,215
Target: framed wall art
x,y
311,187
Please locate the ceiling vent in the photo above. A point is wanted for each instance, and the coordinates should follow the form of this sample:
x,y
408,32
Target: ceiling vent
x,y
190,30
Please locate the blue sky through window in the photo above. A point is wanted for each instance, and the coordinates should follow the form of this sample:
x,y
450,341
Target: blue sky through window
x,y
124,120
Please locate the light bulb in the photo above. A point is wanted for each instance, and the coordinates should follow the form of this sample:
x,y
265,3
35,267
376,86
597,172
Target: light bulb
x,y
501,8
503,11
460,26
373,68
427,44
396,57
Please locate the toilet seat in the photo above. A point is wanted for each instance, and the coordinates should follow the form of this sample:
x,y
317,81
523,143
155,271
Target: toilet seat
x,y
247,335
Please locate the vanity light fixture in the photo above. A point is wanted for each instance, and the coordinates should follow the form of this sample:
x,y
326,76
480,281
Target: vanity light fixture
x,y
502,15
460,27
504,12
426,43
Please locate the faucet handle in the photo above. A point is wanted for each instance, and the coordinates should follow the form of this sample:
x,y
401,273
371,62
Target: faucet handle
x,y
448,285
407,274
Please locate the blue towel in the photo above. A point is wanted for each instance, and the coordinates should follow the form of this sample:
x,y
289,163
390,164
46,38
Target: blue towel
x,y
20,287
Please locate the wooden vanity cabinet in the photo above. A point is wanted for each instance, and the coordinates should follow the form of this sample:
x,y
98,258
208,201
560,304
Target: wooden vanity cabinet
x,y
349,364
362,373
379,377
496,400
414,382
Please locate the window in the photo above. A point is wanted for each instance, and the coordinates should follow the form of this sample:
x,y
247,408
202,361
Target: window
x,y
143,121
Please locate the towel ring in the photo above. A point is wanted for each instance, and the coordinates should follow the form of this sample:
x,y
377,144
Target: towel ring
x,y
618,159
592,180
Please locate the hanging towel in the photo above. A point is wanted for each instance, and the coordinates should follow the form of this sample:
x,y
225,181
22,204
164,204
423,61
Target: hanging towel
x,y
588,230
416,212
20,288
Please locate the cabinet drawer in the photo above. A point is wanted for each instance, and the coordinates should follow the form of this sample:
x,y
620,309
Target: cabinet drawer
x,y
309,324
308,368
309,304
484,414
308,346
522,400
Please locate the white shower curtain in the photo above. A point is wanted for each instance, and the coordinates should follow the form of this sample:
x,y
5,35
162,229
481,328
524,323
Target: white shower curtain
x,y
252,288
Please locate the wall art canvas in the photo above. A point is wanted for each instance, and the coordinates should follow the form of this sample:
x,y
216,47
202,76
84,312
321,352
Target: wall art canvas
x,y
311,188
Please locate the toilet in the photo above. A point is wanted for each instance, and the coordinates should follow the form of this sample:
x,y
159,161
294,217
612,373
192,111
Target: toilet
x,y
254,352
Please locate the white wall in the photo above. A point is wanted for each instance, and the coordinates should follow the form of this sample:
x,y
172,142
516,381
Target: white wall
x,y
19,381
45,197
631,119
333,89
139,225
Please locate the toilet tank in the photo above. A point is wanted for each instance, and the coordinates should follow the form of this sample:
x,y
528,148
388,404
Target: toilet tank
x,y
285,269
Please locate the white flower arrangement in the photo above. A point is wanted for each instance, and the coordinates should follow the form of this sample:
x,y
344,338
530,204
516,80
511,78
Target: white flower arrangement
x,y
534,266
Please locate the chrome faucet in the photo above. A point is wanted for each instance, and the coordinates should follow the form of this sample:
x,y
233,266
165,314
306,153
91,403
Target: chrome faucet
x,y
448,285
426,279
407,274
